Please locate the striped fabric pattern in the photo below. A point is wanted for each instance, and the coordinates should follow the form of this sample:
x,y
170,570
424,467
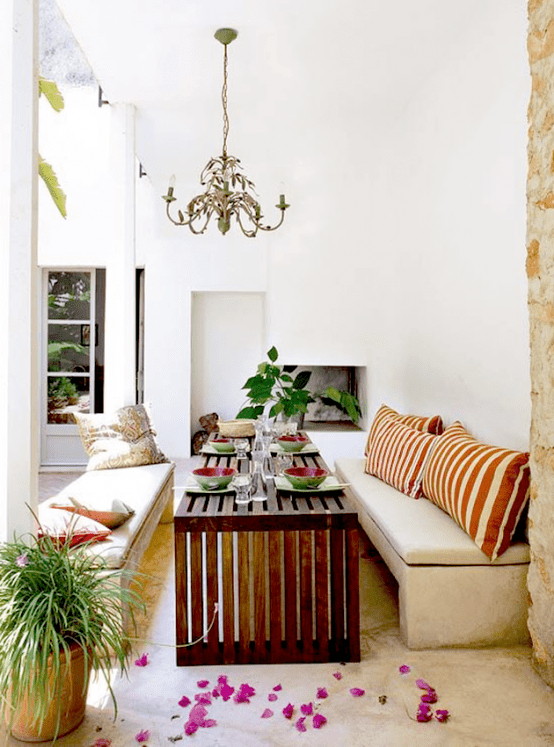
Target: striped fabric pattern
x,y
483,488
431,424
397,454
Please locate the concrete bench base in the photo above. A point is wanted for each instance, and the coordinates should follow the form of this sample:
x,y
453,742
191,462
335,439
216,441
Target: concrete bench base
x,y
474,604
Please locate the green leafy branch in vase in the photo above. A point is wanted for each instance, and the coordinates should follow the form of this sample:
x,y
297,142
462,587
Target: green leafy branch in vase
x,y
289,396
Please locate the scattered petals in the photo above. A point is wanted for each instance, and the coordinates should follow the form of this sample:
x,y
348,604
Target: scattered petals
x,y
318,721
197,714
203,683
404,669
422,684
288,710
424,712
337,675
307,708
300,725
442,715
357,692
429,697
322,692
244,693
21,561
226,691
142,736
184,702
268,713
203,698
272,697
191,727
142,661
277,688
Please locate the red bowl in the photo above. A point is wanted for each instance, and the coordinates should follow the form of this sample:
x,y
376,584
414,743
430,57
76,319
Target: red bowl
x,y
214,478
305,477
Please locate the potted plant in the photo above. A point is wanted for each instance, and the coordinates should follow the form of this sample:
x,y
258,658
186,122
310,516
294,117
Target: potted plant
x,y
60,616
288,396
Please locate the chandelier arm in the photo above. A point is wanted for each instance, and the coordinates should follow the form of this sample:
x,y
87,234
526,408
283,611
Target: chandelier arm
x,y
175,222
249,233
275,227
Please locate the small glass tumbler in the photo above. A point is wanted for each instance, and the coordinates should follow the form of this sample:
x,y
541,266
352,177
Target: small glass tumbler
x,y
242,484
258,491
241,444
282,462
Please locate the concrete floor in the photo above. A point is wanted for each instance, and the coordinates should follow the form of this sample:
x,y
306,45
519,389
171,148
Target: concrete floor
x,y
493,695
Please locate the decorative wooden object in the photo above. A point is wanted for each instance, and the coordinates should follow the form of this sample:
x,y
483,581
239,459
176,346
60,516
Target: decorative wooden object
x,y
284,574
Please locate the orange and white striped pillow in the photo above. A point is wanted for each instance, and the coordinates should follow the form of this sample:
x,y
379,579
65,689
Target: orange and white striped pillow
x,y
433,424
483,488
397,454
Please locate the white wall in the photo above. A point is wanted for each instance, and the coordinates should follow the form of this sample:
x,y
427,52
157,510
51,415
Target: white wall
x,y
404,247
227,345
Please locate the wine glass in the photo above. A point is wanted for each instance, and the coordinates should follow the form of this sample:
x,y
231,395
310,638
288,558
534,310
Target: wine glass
x,y
241,444
242,484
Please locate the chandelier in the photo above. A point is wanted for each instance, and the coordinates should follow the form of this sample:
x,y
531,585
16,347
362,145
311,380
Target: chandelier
x,y
229,193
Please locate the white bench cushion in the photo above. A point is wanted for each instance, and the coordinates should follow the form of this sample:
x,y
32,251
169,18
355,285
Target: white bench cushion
x,y
420,532
138,487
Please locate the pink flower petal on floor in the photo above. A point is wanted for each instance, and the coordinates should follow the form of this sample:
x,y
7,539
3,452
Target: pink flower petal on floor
x,y
422,684
198,713
142,661
209,722
203,698
307,708
203,683
142,736
184,702
318,721
191,727
277,688
404,669
300,724
357,692
272,697
101,742
226,691
442,715
268,713
222,679
247,690
288,710
337,675
322,692
215,692
429,697
424,713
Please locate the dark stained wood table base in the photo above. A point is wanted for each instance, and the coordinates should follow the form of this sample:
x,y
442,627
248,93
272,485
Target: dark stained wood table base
x,y
284,574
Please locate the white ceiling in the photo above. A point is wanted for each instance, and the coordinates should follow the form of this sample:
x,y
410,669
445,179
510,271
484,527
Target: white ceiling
x,y
296,65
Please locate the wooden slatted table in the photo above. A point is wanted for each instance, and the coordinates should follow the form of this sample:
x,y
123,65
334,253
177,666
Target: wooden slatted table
x,y
284,574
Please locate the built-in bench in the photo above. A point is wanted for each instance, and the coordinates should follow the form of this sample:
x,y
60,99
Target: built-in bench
x,y
450,593
148,490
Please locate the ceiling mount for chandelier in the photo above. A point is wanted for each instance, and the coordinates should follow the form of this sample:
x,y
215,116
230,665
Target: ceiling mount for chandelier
x,y
229,193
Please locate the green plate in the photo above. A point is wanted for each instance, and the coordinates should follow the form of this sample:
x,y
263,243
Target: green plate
x,y
330,483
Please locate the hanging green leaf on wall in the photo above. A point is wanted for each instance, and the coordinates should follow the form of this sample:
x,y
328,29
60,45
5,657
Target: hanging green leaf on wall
x,y
48,175
45,170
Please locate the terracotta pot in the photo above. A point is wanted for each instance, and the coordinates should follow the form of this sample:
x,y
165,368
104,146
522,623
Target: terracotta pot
x,y
67,708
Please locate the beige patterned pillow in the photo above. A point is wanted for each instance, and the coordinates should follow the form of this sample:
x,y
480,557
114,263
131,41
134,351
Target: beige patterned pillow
x,y
121,439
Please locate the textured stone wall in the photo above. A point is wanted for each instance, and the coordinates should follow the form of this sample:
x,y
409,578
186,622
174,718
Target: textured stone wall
x,y
540,271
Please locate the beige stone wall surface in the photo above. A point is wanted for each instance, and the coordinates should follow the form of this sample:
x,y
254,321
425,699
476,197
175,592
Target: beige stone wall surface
x,y
540,271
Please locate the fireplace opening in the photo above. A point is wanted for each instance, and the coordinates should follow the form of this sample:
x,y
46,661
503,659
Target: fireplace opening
x,y
321,416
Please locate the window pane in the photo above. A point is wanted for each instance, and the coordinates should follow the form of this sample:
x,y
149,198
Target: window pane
x,y
68,295
68,347
66,395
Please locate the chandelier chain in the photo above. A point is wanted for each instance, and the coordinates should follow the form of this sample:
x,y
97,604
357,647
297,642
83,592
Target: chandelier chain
x,y
224,101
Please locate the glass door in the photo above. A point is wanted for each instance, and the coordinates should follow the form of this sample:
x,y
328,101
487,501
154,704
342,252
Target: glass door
x,y
71,361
